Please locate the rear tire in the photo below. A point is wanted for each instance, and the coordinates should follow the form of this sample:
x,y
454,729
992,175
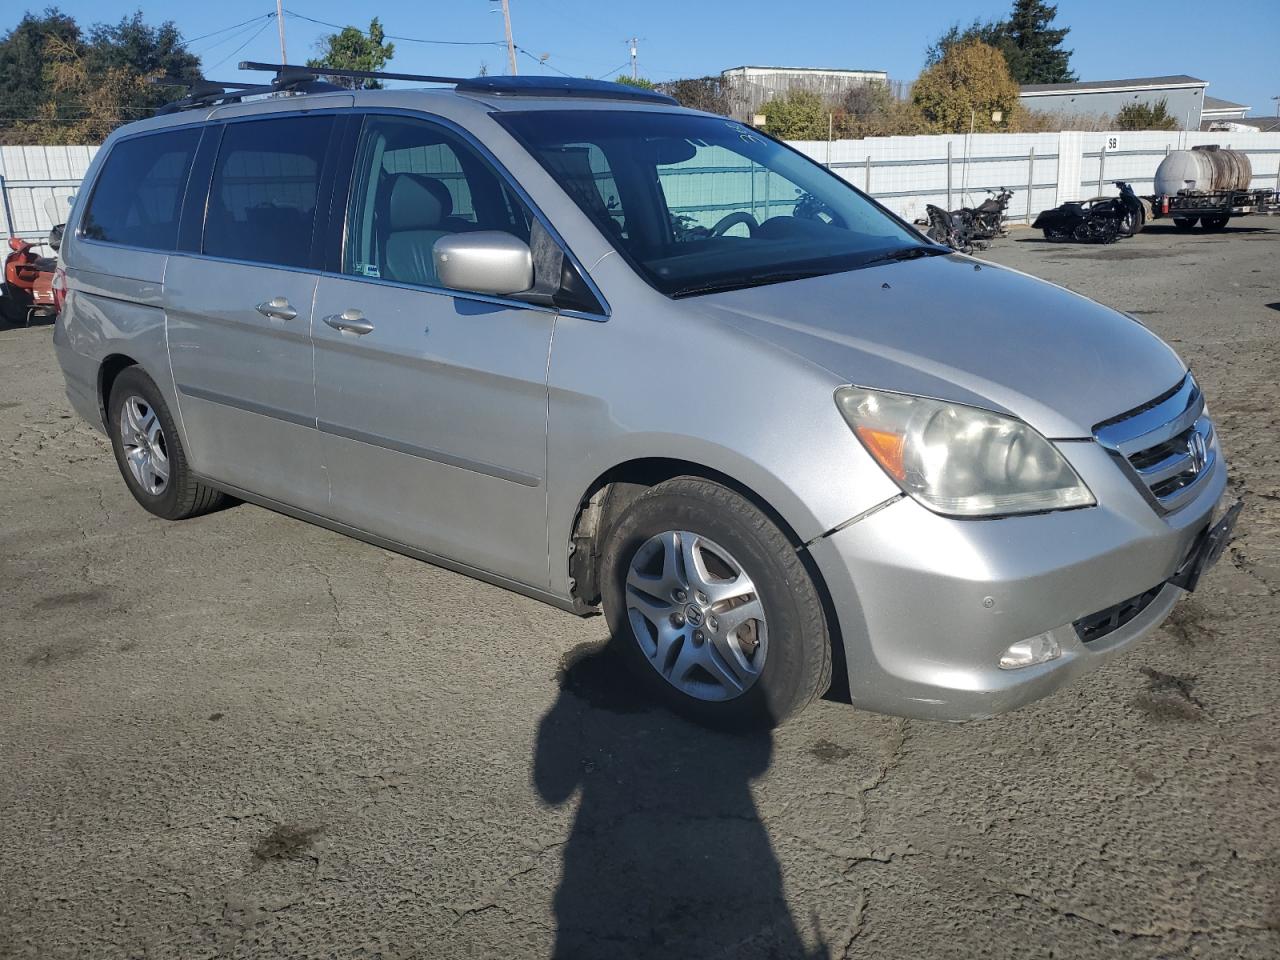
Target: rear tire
x,y
1215,222
149,452
751,651
1185,223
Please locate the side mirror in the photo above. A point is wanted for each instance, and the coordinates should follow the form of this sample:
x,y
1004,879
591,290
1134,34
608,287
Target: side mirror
x,y
487,261
55,236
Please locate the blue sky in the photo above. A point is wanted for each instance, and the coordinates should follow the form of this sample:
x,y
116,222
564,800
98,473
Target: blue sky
x,y
694,37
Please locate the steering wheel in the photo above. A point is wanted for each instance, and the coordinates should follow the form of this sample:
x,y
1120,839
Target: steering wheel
x,y
724,224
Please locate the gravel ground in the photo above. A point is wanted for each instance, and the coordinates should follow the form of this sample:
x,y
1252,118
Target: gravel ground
x,y
243,736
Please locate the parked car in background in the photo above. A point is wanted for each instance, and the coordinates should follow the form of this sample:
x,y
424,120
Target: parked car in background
x,y
476,326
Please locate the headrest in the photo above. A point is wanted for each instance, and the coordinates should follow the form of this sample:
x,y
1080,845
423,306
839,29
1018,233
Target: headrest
x,y
418,203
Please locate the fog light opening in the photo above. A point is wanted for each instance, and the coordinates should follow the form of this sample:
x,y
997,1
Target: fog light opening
x,y
1027,653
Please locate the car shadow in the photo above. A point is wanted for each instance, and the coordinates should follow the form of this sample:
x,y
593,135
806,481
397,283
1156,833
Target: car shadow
x,y
667,856
1155,227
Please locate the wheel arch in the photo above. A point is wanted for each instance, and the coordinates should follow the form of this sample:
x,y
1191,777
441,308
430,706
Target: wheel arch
x,y
613,489
109,369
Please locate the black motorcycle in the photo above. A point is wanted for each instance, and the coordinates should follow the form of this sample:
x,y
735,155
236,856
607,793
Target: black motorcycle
x,y
955,230
1101,220
988,217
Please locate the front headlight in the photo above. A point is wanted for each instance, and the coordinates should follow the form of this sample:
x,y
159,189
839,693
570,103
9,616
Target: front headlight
x,y
960,460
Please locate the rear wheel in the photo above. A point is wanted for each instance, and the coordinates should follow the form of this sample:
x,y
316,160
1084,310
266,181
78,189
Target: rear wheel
x,y
1216,222
712,607
149,453
1185,223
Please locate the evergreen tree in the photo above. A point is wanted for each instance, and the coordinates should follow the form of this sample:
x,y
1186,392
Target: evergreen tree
x,y
1030,46
61,84
1039,56
353,49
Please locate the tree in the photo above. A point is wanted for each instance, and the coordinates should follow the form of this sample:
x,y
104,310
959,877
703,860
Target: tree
x,y
353,49
1146,116
1031,48
133,46
801,115
639,82
965,88
104,98
24,92
1040,57
59,85
994,33
699,93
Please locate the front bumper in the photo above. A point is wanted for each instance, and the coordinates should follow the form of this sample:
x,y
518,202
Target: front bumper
x,y
926,604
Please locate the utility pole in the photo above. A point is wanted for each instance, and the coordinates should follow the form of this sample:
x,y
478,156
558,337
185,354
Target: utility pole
x,y
280,23
635,75
511,44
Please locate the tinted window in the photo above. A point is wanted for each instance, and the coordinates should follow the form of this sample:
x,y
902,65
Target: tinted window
x,y
138,196
262,204
415,182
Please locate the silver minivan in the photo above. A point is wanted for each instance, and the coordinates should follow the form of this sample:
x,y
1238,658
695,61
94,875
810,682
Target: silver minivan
x,y
577,341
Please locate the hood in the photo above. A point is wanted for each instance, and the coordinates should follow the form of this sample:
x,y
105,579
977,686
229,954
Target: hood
x,y
950,328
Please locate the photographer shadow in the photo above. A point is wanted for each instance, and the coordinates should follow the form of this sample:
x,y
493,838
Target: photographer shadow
x,y
667,856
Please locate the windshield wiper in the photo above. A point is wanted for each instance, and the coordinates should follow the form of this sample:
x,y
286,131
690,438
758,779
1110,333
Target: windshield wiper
x,y
906,253
741,283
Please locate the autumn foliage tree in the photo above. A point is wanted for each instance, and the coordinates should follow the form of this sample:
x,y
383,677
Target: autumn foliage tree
x,y
61,84
965,89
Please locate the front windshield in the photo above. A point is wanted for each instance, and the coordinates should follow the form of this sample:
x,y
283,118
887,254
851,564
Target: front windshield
x,y
699,204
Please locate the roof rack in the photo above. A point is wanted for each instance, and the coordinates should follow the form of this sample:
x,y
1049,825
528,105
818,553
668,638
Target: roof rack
x,y
285,69
496,86
290,78
560,87
203,93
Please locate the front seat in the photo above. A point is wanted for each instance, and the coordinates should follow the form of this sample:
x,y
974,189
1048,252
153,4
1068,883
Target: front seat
x,y
418,214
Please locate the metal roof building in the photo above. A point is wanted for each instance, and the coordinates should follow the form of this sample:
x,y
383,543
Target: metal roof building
x,y
1183,95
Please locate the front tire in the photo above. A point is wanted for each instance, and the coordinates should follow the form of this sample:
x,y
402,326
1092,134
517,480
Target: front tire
x,y
712,606
149,453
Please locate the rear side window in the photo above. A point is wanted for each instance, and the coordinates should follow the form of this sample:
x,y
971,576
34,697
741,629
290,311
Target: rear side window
x,y
138,196
266,180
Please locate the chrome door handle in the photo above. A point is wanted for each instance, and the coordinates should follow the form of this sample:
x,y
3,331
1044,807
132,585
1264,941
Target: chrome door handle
x,y
277,308
349,321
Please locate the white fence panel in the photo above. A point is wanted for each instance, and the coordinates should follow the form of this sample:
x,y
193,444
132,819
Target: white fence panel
x,y
33,180
904,173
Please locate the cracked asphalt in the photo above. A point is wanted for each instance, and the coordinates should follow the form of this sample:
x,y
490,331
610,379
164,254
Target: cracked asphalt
x,y
241,736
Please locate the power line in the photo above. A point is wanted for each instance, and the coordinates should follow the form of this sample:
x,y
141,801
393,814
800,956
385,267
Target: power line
x,y
392,36
232,37
543,61
606,76
214,33
257,33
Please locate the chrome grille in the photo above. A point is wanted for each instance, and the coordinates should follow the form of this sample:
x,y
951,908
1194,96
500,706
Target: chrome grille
x,y
1166,445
